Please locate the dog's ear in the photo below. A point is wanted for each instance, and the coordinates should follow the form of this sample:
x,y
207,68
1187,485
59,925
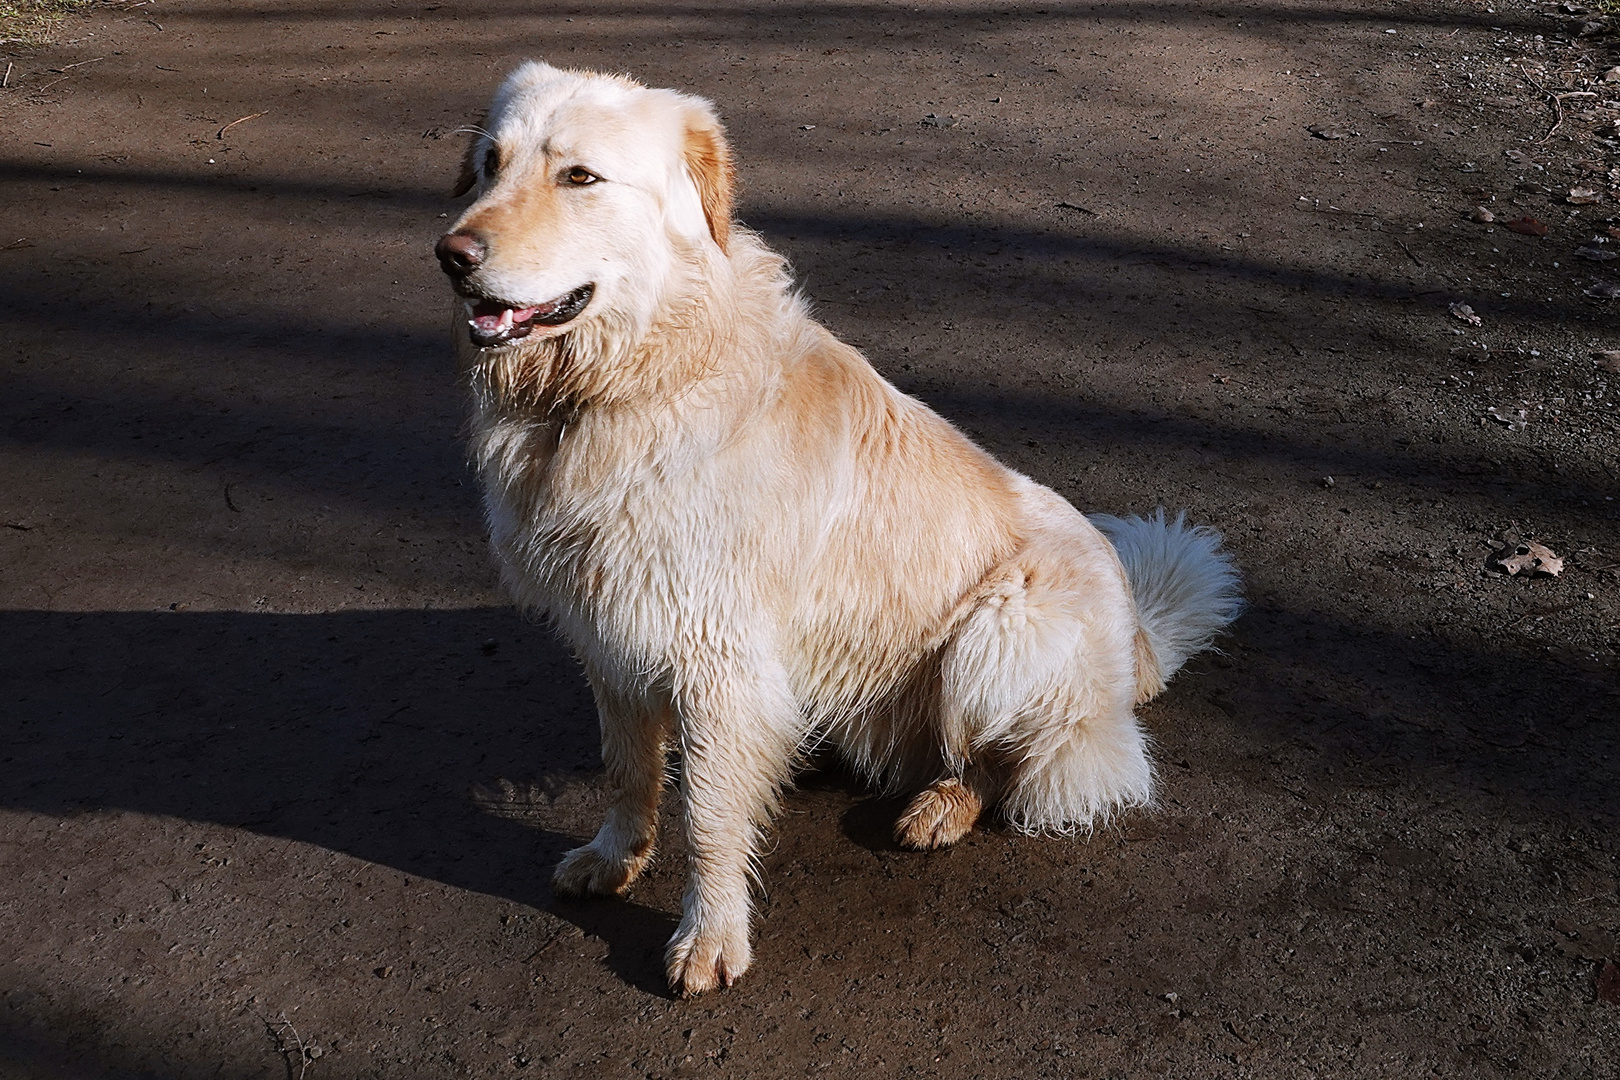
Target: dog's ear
x,y
708,160
469,161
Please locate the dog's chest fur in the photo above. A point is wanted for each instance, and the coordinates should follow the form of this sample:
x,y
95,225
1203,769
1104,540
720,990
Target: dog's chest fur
x,y
589,530
652,538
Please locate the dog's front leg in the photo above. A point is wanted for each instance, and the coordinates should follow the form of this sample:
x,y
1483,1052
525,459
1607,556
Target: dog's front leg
x,y
736,747
634,736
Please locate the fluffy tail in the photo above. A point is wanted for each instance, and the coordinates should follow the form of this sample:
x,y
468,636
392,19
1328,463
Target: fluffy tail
x,y
1185,587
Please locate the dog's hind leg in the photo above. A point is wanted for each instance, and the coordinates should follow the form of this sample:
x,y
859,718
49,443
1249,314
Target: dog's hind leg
x,y
946,810
634,736
1040,676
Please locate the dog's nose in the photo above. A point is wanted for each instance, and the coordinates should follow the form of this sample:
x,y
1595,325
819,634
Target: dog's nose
x,y
460,253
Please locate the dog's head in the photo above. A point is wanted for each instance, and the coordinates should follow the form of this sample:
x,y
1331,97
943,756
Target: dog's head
x,y
592,191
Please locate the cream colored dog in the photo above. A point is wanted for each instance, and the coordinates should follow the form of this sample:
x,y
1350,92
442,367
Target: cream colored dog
x,y
753,542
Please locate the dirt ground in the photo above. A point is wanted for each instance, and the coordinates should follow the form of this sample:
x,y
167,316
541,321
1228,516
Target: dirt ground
x,y
282,777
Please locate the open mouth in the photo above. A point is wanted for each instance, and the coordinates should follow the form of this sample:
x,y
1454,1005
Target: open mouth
x,y
496,322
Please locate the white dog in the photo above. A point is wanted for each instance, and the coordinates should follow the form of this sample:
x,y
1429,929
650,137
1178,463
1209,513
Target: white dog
x,y
756,544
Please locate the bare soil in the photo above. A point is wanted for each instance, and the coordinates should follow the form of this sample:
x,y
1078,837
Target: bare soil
x,y
282,776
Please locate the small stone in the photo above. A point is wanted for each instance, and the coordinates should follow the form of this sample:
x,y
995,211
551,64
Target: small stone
x,y
1482,215
1612,75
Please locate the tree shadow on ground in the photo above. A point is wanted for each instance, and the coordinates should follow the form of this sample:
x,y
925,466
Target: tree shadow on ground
x,y
366,732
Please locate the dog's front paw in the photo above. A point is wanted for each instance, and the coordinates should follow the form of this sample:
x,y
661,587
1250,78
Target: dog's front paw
x,y
702,958
585,871
939,816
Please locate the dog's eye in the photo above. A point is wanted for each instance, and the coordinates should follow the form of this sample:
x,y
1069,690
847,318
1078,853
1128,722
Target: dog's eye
x,y
492,162
581,176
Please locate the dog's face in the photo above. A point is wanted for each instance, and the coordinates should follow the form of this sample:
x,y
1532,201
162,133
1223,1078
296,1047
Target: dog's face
x,y
591,191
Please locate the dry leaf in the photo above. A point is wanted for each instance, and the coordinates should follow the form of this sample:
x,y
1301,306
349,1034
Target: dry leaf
x,y
1328,131
1527,558
1464,312
1515,420
1603,290
1608,360
1583,196
1596,254
1518,157
1526,226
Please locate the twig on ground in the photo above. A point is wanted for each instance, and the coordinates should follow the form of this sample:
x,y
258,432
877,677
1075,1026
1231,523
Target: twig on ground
x,y
65,78
239,120
6,82
1337,210
1557,101
282,1047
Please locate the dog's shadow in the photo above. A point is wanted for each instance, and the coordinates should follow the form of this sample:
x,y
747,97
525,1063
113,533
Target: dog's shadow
x,y
869,821
635,936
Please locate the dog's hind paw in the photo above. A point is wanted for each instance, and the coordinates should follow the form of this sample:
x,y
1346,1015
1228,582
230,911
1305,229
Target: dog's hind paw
x,y
939,816
585,871
700,961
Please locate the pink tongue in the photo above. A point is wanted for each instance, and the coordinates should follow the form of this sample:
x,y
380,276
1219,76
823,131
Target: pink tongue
x,y
488,317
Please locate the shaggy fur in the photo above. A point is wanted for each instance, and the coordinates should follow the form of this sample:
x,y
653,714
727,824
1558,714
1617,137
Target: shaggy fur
x,y
754,543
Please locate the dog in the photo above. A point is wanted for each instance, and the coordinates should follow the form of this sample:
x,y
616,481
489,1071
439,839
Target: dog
x,y
755,544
